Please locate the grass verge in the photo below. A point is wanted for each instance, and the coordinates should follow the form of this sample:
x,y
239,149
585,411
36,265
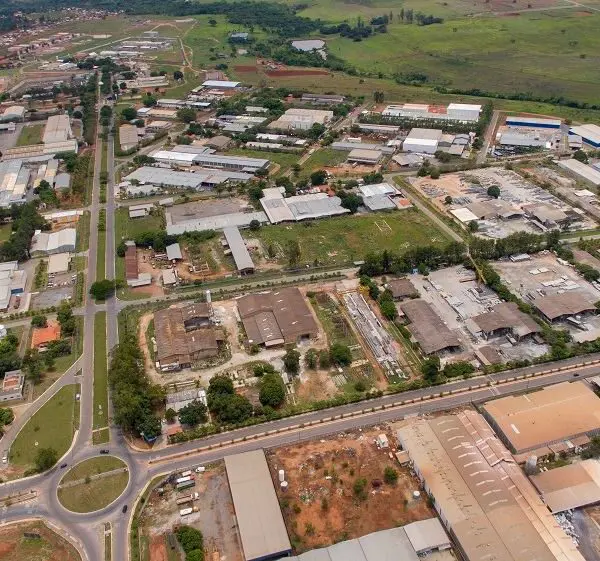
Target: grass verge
x,y
100,372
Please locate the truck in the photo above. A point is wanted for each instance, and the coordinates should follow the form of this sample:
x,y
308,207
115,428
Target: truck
x,y
185,511
187,498
185,473
184,479
185,485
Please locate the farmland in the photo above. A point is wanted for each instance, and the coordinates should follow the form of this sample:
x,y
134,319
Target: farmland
x,y
345,239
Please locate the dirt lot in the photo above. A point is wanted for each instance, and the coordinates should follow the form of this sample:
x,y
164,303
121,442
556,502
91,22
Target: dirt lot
x,y
320,506
215,517
206,208
288,73
51,547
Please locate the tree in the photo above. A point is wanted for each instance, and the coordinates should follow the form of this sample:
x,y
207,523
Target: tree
x,y
6,416
473,226
129,113
45,459
186,114
194,413
340,354
493,191
220,385
318,177
581,156
101,290
311,358
351,201
388,309
448,200
435,173
293,253
149,100
324,359
212,22
170,415
178,75
39,321
291,361
254,225
272,390
430,368
189,538
390,475
359,488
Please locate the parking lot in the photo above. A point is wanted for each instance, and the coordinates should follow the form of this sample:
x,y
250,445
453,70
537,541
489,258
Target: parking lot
x,y
51,297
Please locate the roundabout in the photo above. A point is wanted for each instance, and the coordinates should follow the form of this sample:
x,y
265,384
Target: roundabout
x,y
93,484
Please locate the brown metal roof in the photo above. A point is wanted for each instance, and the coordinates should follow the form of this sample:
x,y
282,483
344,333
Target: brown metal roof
x,y
272,315
427,327
197,310
402,288
131,265
554,306
554,414
507,315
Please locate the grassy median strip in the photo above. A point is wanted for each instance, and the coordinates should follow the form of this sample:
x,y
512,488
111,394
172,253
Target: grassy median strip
x,y
50,427
100,372
101,251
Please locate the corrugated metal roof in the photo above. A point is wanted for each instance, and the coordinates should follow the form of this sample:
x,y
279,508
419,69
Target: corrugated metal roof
x,y
174,252
238,248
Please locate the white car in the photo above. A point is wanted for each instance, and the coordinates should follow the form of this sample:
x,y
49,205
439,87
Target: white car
x,y
200,469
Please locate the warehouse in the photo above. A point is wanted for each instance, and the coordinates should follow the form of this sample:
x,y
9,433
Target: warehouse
x,y
407,543
58,263
375,189
523,140
368,157
428,329
323,99
178,347
301,119
401,289
260,522
174,252
12,282
62,181
218,222
569,487
57,129
199,179
581,170
36,151
278,317
423,141
506,318
387,130
218,161
133,276
13,113
454,111
589,133
533,122
47,243
299,207
556,307
554,419
239,251
349,146
220,84
178,400
487,504
128,137
13,183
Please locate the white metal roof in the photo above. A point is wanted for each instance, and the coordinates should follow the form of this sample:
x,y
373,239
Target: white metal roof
x,y
589,132
583,170
464,214
174,252
220,84
58,263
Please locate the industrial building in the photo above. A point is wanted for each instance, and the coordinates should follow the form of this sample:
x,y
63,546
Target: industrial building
x,y
198,180
133,277
13,113
14,179
12,385
506,318
184,335
299,207
260,522
12,283
128,137
569,487
323,99
555,307
178,400
220,84
583,171
277,317
590,134
238,250
511,138
533,122
349,146
427,328
423,141
453,112
62,181
57,129
368,157
401,289
39,151
47,243
174,252
218,161
407,543
58,263
486,503
553,419
301,119
218,222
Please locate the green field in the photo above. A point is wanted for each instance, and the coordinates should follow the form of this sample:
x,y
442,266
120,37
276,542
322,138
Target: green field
x,y
322,158
51,427
31,134
285,160
100,372
127,228
342,240
5,231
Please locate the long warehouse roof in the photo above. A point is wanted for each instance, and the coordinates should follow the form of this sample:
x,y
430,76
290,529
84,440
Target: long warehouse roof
x,y
238,248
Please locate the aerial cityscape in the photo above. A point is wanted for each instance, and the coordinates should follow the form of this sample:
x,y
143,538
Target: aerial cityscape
x,y
315,281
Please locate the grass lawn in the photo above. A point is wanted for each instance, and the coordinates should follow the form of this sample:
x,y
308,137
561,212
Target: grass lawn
x,y
30,134
5,231
127,228
323,158
342,240
284,159
101,256
52,426
101,436
100,372
50,546
83,232
98,493
93,466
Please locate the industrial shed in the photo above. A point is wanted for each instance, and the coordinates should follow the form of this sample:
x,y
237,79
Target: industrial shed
x,y
299,207
427,328
174,252
424,141
533,122
402,288
58,263
582,170
47,243
278,317
239,251
57,129
260,522
554,418
559,306
219,222
369,157
589,133
506,317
